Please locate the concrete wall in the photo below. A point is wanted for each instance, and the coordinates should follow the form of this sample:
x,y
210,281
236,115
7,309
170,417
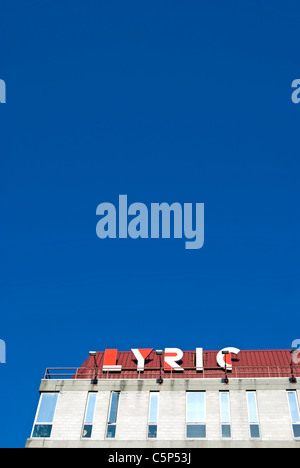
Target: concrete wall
x,y
239,415
100,415
171,415
132,422
68,417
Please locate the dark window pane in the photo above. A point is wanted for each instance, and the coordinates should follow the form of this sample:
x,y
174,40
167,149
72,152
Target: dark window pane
x,y
196,431
254,431
296,429
87,431
152,431
111,431
113,407
226,431
42,430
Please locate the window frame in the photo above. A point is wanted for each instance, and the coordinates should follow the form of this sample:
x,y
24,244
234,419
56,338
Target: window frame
x,y
198,423
41,423
257,414
221,392
153,392
108,424
85,423
290,411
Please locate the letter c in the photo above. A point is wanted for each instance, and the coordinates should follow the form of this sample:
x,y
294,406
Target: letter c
x,y
221,357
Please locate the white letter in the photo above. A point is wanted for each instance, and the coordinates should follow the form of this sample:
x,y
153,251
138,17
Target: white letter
x,y
141,220
109,220
141,355
188,225
295,354
2,92
295,95
221,357
109,362
172,355
166,209
123,216
199,359
2,352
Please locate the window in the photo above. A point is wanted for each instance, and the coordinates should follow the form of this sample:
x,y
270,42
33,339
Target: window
x,y
44,419
89,416
153,413
253,415
294,410
195,415
112,418
225,415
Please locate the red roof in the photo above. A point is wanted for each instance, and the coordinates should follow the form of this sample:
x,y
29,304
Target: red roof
x,y
251,363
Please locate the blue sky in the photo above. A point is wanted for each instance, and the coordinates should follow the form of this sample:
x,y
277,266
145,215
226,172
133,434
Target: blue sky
x,y
163,101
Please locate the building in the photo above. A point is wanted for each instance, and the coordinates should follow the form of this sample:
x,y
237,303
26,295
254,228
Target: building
x,y
172,399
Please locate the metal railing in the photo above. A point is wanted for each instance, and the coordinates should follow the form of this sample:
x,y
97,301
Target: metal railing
x,y
238,372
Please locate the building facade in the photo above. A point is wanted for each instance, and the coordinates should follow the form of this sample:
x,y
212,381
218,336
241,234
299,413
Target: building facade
x,y
171,399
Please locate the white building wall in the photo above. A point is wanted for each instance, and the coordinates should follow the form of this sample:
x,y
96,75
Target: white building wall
x,y
171,415
213,419
133,410
101,416
239,415
132,419
274,415
69,415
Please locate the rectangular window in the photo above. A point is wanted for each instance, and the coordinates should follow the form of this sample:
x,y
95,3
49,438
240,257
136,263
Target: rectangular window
x,y
253,415
225,415
45,414
112,418
294,410
89,416
195,415
153,414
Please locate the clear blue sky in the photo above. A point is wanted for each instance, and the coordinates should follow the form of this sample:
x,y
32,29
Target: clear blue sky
x,y
162,101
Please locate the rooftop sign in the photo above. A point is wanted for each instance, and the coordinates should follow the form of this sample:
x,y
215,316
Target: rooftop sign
x,y
171,359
